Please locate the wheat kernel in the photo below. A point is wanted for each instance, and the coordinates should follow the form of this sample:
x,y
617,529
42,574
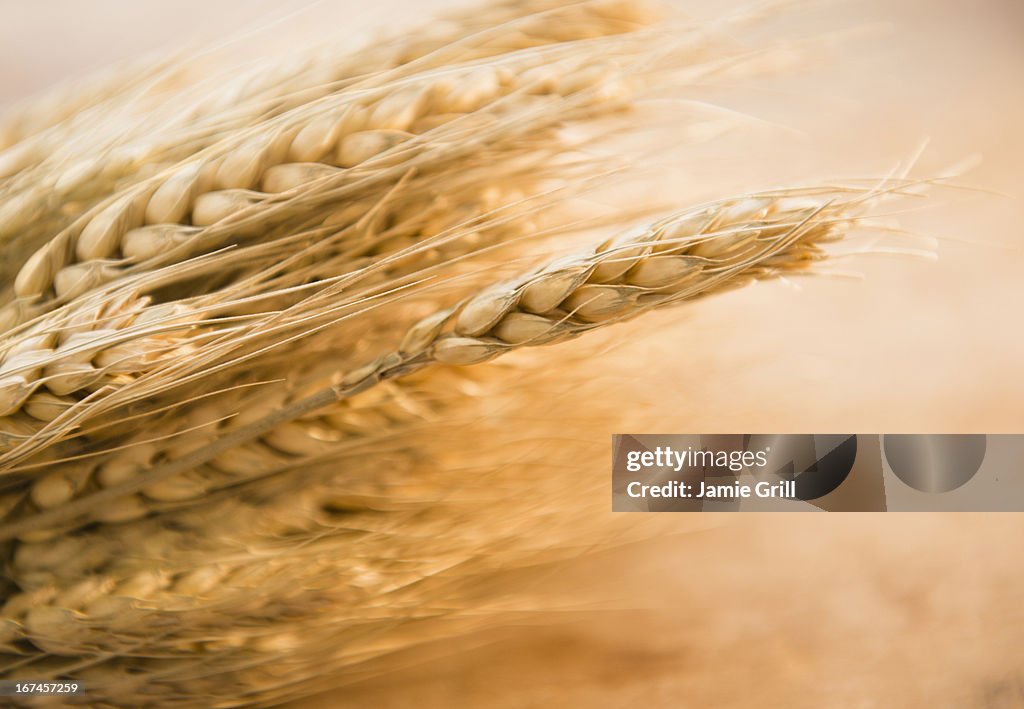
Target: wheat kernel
x,y
544,293
153,240
176,488
463,350
289,176
595,303
101,237
316,140
482,312
661,271
36,276
44,406
53,490
212,207
172,200
399,110
295,439
79,596
359,147
122,509
200,582
420,335
518,328
74,280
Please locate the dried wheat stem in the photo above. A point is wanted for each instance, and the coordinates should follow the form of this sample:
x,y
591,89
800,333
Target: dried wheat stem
x,y
718,246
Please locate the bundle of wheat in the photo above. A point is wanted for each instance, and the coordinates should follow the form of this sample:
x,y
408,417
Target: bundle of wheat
x,y
245,322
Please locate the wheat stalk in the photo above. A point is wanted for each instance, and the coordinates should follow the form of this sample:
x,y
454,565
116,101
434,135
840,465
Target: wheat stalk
x,y
721,245
253,314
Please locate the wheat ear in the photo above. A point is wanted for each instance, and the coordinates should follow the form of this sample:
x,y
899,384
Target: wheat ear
x,y
344,131
49,173
714,247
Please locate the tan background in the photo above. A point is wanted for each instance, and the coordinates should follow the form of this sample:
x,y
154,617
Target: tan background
x,y
849,611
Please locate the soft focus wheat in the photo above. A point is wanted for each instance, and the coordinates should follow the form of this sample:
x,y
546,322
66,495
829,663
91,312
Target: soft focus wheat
x,y
252,318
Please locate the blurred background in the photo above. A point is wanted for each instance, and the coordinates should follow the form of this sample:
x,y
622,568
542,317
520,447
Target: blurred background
x,y
857,610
